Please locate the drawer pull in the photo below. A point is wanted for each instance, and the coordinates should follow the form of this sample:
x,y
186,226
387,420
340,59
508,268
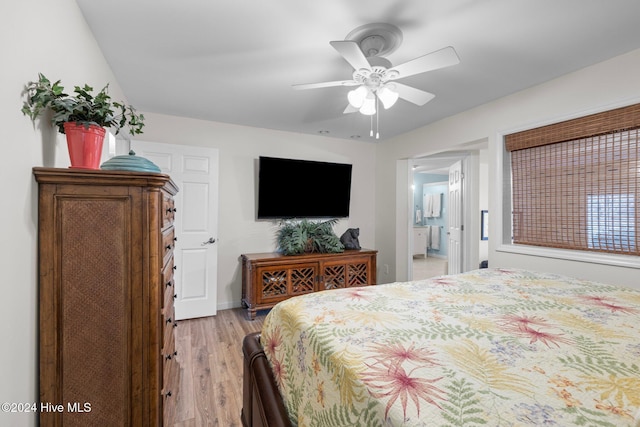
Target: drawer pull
x,y
169,356
175,324
168,247
169,210
168,320
175,296
175,267
168,394
169,284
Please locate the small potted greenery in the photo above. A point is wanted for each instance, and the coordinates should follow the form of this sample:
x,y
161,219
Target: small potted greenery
x,y
82,117
300,237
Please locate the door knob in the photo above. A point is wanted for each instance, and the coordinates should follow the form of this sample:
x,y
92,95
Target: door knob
x,y
210,241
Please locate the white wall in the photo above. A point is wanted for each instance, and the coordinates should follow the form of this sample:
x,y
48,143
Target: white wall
x,y
48,36
602,86
51,36
239,149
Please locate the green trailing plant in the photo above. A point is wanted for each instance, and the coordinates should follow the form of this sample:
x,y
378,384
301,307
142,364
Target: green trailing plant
x,y
82,107
298,237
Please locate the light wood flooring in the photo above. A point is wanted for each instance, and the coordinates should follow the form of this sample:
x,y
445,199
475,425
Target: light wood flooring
x,y
210,356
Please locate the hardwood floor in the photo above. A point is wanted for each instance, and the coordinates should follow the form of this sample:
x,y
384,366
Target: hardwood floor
x,y
210,356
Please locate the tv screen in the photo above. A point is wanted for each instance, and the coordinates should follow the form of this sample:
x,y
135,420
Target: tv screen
x,y
289,188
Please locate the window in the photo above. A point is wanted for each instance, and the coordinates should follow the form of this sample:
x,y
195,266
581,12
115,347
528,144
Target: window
x,y
575,183
610,222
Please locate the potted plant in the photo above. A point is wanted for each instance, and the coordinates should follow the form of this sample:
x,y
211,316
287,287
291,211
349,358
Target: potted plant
x,y
299,237
82,117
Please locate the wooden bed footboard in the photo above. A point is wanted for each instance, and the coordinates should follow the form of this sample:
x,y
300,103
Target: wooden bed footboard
x,y
262,404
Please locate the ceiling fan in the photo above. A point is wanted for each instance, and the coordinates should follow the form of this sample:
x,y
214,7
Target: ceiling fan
x,y
363,49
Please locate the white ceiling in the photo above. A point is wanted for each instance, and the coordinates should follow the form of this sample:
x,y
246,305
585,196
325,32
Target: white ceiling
x,y
234,61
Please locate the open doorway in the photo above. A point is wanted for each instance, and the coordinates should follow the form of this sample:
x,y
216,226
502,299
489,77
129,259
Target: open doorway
x,y
430,210
429,257
430,177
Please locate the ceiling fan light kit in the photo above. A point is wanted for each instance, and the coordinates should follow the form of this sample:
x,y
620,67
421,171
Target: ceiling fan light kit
x,y
356,96
363,49
369,105
387,96
362,98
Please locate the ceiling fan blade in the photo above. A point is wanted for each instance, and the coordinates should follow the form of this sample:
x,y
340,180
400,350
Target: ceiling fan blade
x,y
351,52
350,109
444,57
413,95
325,84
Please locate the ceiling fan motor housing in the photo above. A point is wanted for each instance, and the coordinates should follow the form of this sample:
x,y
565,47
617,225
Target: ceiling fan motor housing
x,y
374,41
376,76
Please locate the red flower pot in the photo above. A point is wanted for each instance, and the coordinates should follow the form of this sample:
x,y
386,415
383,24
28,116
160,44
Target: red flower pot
x,y
84,144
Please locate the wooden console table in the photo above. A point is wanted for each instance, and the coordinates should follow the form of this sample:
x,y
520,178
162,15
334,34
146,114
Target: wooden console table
x,y
268,278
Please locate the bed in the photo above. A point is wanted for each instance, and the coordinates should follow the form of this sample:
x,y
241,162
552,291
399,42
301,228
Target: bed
x,y
489,347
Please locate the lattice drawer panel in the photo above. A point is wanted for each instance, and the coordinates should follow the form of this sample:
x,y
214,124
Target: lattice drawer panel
x,y
268,279
358,275
334,277
303,280
274,283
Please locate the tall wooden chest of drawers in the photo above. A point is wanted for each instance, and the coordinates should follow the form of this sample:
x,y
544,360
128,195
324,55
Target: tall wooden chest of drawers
x,y
107,349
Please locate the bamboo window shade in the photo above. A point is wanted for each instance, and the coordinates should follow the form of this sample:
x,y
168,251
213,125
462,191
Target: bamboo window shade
x,y
575,184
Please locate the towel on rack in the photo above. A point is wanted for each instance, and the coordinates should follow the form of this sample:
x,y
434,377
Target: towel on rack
x,y
431,203
435,205
418,216
434,232
426,204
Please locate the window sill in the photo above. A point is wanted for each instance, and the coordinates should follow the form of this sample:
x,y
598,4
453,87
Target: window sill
x,y
630,261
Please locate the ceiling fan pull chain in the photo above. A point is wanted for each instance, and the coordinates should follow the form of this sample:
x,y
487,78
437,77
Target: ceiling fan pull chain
x,y
377,119
371,123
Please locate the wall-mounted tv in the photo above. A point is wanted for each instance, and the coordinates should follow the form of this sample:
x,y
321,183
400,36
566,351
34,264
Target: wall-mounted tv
x,y
289,188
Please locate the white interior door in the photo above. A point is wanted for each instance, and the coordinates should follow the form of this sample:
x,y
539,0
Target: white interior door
x,y
195,171
454,233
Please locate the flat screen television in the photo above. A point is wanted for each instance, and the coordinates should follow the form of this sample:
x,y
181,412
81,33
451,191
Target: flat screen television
x,y
289,188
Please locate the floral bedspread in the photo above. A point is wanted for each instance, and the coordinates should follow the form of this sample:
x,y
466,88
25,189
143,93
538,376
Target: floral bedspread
x,y
492,347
